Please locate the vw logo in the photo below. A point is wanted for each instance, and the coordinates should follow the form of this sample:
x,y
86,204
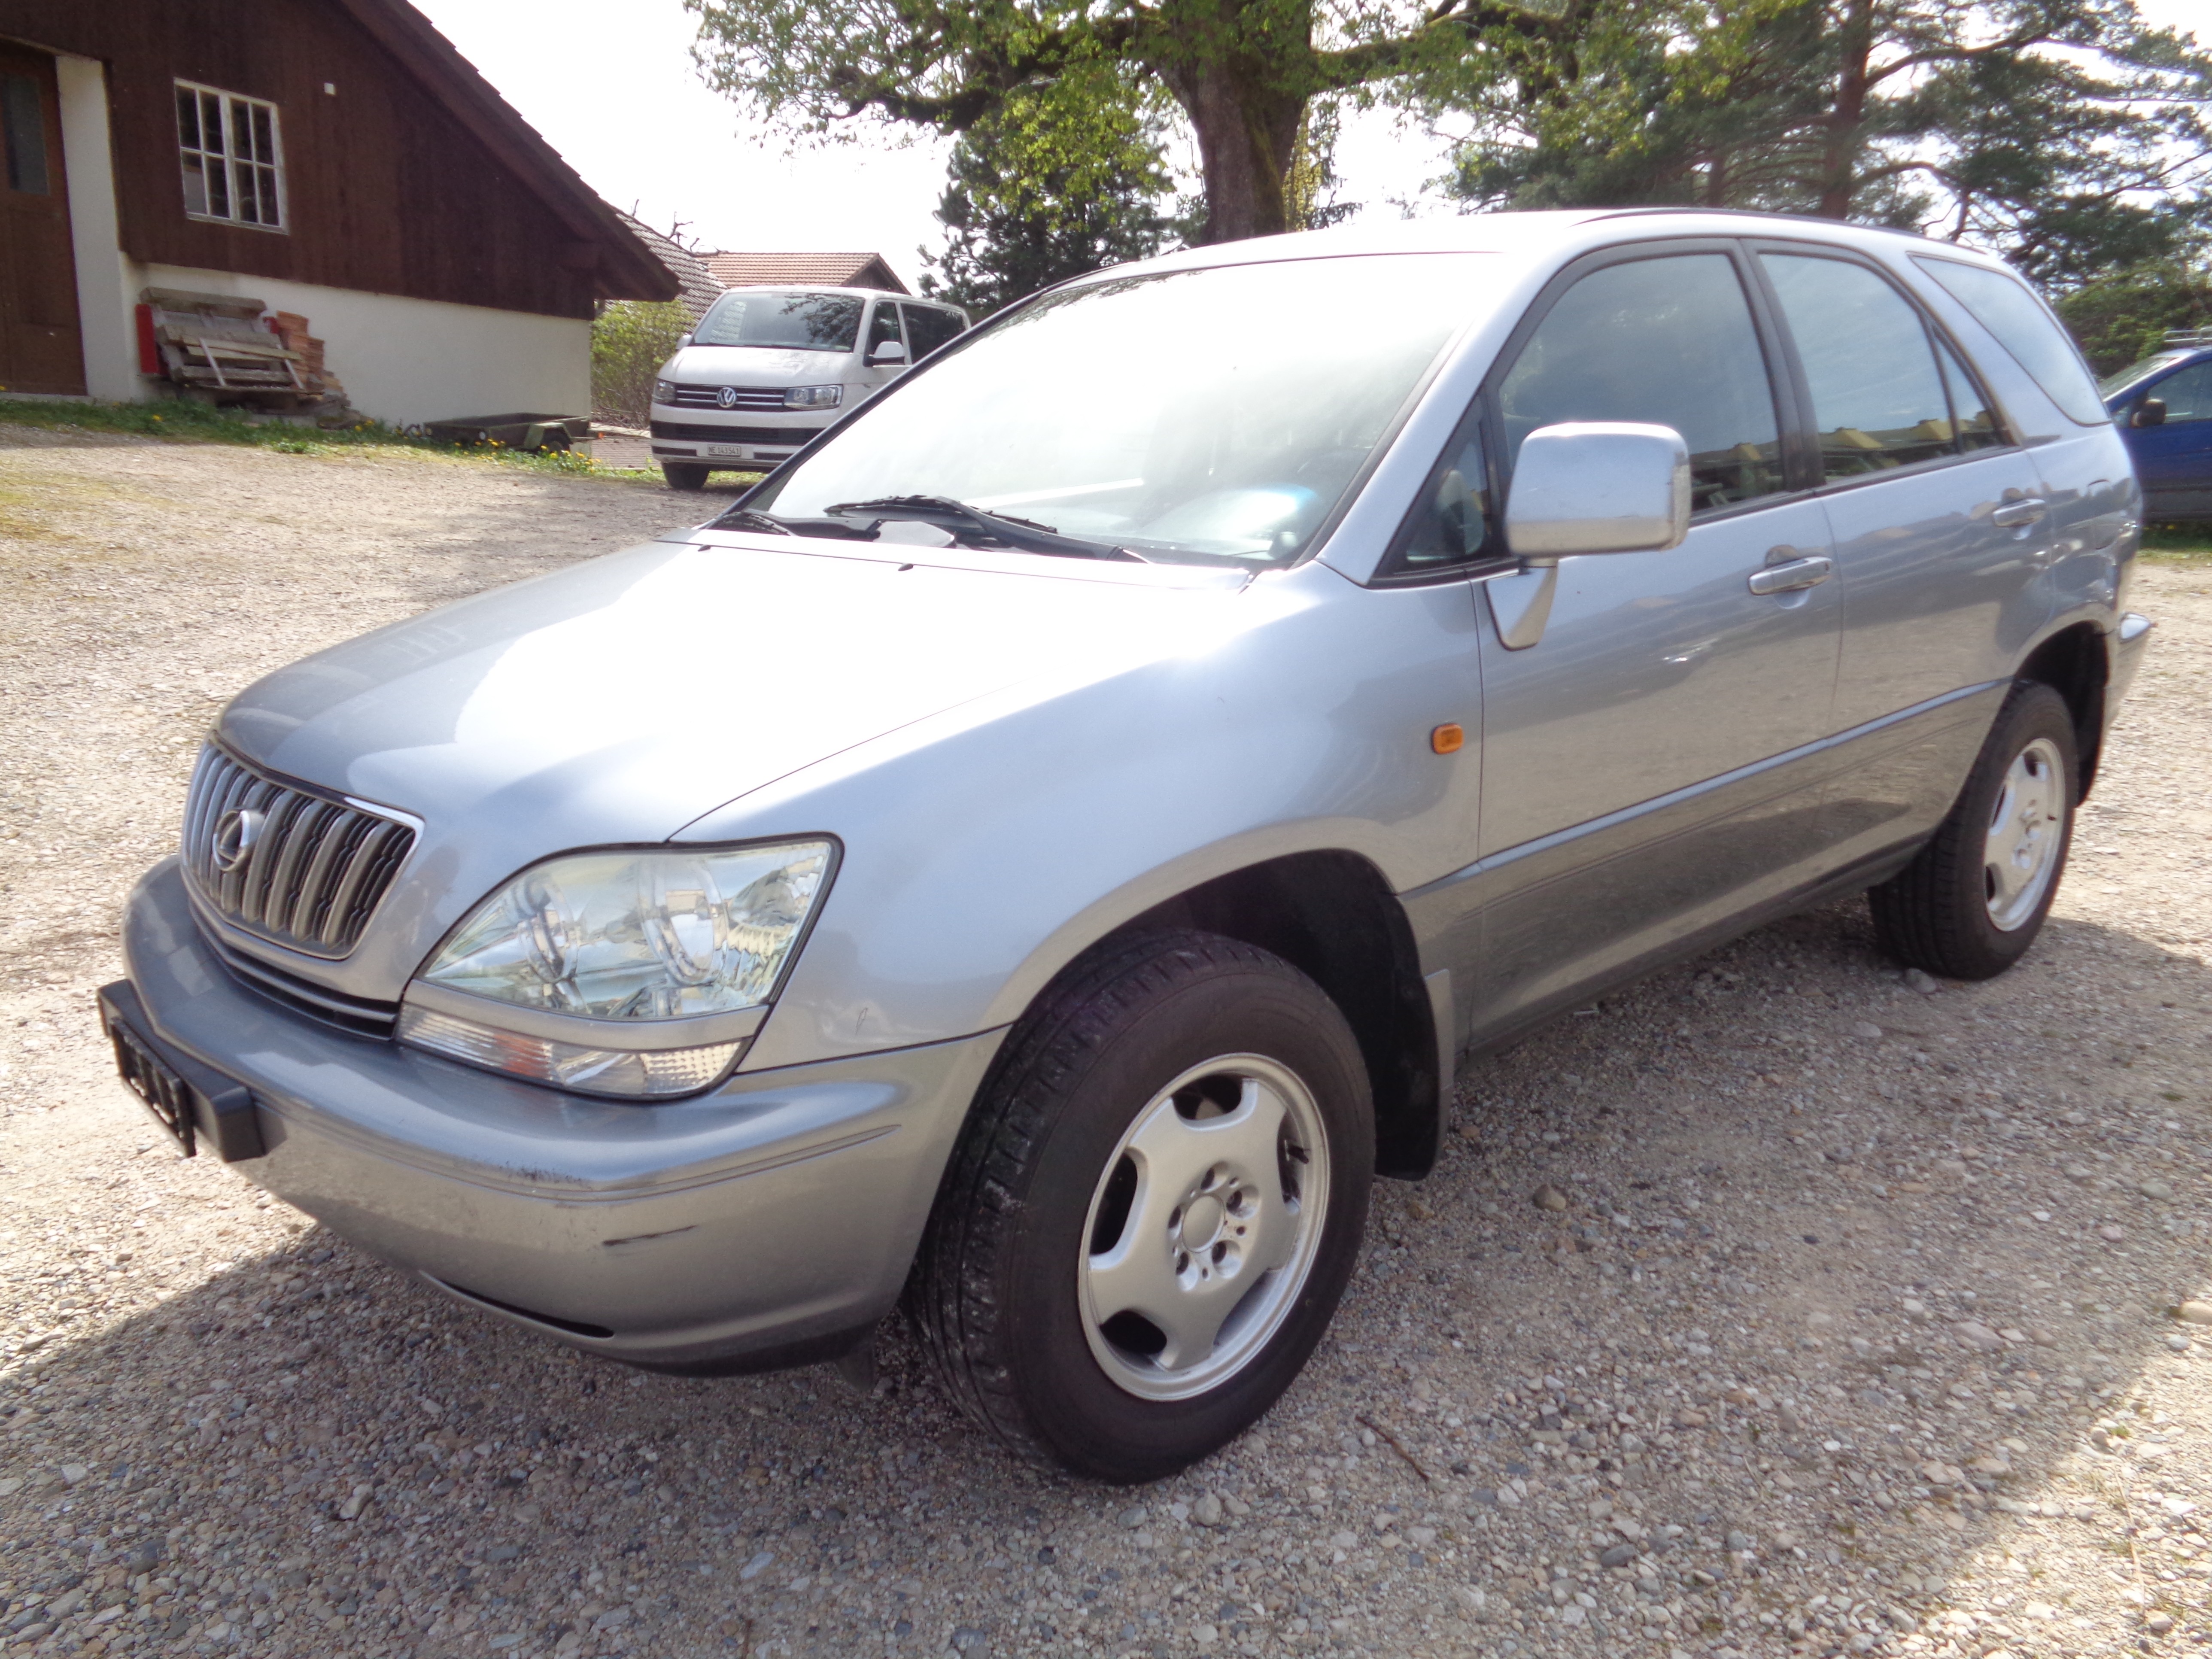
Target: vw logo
x,y
727,397
235,832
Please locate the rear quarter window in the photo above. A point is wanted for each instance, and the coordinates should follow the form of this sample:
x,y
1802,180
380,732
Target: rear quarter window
x,y
2024,326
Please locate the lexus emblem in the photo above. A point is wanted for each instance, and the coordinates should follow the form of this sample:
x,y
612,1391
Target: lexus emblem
x,y
235,832
727,397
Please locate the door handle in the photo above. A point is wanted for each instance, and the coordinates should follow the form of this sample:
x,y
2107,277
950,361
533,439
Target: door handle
x,y
2014,514
1792,574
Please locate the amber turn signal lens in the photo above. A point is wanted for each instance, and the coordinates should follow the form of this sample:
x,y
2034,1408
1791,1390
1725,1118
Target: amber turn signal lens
x,y
1447,738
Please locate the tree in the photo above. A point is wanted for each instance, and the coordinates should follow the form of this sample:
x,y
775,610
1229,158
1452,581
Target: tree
x,y
2058,132
630,340
1243,72
2121,319
1048,187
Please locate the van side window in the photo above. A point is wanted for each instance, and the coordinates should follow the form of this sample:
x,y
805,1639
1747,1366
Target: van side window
x,y
883,326
1450,523
1668,340
1878,400
1974,420
2187,394
928,328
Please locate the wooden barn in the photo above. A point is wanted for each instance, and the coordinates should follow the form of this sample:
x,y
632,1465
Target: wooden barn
x,y
290,200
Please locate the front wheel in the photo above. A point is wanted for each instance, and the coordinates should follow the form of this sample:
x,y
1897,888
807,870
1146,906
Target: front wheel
x,y
1973,899
1153,1211
682,474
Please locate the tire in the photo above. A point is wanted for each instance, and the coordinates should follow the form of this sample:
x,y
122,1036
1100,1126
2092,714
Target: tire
x,y
682,474
1146,1040
1970,904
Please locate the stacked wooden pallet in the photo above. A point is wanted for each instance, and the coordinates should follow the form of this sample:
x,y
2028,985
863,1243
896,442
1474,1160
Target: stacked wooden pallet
x,y
221,347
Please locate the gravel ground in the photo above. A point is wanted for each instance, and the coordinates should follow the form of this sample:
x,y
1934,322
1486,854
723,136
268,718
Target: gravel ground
x,y
1777,1304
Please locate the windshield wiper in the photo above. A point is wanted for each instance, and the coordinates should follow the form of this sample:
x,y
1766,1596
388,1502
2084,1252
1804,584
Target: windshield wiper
x,y
747,518
946,513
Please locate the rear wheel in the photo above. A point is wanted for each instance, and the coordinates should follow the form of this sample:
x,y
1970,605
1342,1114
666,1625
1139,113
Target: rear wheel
x,y
1972,902
1153,1211
682,474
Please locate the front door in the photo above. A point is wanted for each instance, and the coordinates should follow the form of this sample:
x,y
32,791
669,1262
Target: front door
x,y
1637,784
39,349
2174,461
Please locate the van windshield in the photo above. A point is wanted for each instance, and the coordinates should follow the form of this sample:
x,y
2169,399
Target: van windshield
x,y
786,322
1215,416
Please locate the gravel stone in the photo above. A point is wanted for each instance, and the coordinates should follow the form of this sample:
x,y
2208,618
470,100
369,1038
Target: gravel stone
x,y
229,1377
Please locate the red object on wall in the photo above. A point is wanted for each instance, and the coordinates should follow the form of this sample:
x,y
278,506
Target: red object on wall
x,y
149,358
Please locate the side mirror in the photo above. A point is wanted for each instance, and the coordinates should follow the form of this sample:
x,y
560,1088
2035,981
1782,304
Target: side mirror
x,y
683,340
2151,411
1598,487
885,351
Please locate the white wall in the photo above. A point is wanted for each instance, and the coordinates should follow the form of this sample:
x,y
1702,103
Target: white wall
x,y
104,294
405,360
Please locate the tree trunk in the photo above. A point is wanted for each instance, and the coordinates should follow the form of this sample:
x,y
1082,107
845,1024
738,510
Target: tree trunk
x,y
1247,134
1847,119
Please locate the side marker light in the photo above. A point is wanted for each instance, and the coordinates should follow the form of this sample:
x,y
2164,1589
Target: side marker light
x,y
1449,738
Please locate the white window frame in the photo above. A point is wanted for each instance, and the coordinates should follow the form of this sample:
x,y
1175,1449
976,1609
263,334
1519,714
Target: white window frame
x,y
236,157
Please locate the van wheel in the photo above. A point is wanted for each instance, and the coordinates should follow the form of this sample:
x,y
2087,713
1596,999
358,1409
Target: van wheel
x,y
682,474
1153,1210
1972,902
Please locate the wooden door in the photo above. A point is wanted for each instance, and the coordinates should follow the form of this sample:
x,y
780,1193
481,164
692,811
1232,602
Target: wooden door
x,y
40,347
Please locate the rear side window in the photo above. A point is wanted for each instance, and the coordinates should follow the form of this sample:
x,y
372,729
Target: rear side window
x,y
1669,341
2024,326
1879,400
928,328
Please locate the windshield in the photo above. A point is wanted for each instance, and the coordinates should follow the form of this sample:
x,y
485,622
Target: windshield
x,y
2113,384
1213,416
788,322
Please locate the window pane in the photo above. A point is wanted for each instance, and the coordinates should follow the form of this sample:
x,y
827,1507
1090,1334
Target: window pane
x,y
23,126
1668,340
928,328
188,119
266,178
196,196
884,325
1877,400
2187,395
2025,327
218,183
1451,519
264,137
1977,424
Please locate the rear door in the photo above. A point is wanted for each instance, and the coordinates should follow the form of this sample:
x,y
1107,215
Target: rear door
x,y
1940,532
1639,784
40,347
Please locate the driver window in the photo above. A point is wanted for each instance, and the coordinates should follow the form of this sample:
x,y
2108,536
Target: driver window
x,y
883,326
2187,395
1668,340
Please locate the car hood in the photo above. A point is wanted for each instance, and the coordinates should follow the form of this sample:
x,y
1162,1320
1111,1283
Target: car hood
x,y
618,699
755,365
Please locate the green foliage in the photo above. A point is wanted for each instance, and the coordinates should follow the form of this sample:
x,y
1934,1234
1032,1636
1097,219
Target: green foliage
x,y
2065,134
1243,72
630,340
1060,181
2123,318
184,420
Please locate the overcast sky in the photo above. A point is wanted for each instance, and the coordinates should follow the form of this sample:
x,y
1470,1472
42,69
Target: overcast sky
x,y
612,88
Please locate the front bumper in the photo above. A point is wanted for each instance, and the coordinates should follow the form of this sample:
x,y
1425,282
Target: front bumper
x,y
770,1222
728,439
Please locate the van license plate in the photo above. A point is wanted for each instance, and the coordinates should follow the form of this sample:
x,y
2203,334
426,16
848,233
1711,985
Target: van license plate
x,y
730,451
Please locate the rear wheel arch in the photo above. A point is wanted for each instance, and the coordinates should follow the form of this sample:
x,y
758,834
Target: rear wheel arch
x,y
2074,663
1332,915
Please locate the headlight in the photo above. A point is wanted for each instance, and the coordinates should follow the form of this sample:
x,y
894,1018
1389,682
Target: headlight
x,y
664,391
814,396
601,953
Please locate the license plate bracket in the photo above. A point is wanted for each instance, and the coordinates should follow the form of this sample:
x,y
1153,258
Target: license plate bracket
x,y
193,1102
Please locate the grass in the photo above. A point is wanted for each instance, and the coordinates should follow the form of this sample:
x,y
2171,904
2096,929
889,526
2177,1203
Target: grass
x,y
182,420
2185,545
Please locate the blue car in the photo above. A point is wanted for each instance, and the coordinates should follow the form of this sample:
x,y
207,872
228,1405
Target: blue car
x,y
2164,408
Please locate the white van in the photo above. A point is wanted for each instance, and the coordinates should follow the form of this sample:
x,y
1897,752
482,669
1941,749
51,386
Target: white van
x,y
768,368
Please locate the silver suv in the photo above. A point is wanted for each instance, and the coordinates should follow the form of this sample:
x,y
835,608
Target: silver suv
x,y
1044,851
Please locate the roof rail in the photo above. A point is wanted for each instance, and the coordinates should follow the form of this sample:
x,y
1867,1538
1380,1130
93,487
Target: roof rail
x,y
2189,337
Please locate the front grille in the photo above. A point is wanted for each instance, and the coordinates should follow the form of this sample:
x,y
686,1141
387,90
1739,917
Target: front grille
x,y
748,397
789,436
362,1016
291,863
